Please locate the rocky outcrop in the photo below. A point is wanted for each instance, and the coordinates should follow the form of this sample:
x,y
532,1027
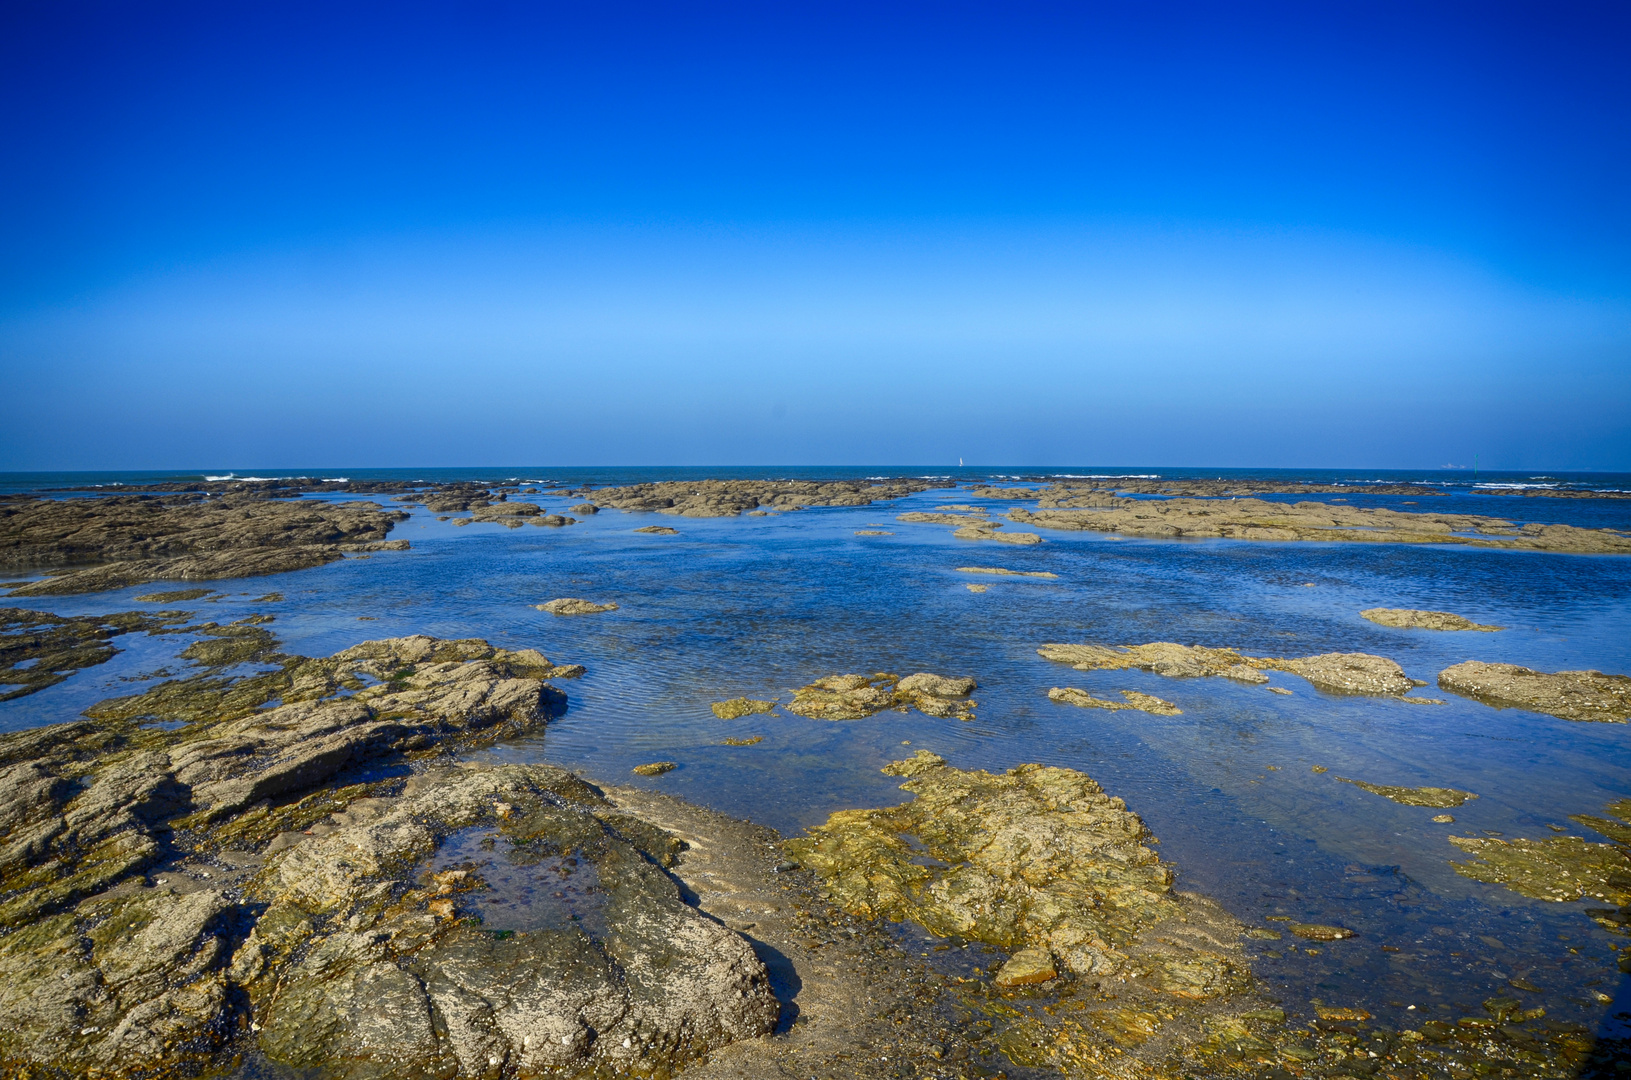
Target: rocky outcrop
x,y
257,875
1343,673
658,530
95,544
854,697
728,498
989,531
1257,519
570,605
1411,619
1569,695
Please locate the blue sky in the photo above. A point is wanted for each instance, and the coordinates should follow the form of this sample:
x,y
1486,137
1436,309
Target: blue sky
x,y
279,235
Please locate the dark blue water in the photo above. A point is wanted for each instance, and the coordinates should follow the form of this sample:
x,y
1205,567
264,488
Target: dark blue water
x,y
757,606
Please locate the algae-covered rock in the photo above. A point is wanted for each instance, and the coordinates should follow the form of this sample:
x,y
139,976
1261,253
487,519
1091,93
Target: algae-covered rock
x,y
854,697
1438,797
94,544
38,649
1319,931
1349,673
658,530
656,768
1143,702
1027,967
753,741
1558,868
736,708
1568,695
336,936
571,605
1035,858
175,596
1412,619
986,530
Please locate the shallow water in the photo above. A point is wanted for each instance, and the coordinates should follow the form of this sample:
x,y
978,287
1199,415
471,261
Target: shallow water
x,y
757,606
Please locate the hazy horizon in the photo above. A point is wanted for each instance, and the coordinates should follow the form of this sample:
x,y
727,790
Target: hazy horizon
x,y
1262,236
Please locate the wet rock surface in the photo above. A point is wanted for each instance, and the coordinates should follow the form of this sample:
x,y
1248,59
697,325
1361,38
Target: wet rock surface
x,y
855,697
1343,673
736,708
262,877
95,544
1067,695
1005,572
570,605
1412,619
38,649
658,530
1257,519
1441,798
1569,695
1559,868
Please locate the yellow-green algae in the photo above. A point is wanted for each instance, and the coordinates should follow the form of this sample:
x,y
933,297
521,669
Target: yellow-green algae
x,y
1558,868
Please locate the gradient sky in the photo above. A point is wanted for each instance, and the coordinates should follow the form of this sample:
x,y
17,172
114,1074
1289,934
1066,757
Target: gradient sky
x,y
1231,234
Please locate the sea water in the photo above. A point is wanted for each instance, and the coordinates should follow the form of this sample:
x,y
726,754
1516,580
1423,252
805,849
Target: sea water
x,y
756,606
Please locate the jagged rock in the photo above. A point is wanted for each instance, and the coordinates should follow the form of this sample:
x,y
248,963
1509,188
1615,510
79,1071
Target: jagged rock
x,y
352,951
1412,619
1569,695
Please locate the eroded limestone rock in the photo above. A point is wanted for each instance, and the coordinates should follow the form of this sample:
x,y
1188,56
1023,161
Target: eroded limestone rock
x,y
1412,619
334,938
854,697
1569,695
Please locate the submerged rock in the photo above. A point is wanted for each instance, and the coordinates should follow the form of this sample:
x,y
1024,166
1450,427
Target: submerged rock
x,y
1004,572
1319,931
175,596
736,708
336,940
1349,673
1438,797
571,605
658,530
1149,703
38,649
753,741
1411,619
1558,868
854,697
873,532
1569,695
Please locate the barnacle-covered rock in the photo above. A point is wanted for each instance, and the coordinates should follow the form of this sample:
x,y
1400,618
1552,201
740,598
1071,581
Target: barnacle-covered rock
x,y
1568,695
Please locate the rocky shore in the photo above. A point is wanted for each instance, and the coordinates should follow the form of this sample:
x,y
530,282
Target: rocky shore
x,y
96,544
728,498
1257,519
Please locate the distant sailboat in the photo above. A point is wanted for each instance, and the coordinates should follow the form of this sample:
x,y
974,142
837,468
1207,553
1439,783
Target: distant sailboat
x,y
959,463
